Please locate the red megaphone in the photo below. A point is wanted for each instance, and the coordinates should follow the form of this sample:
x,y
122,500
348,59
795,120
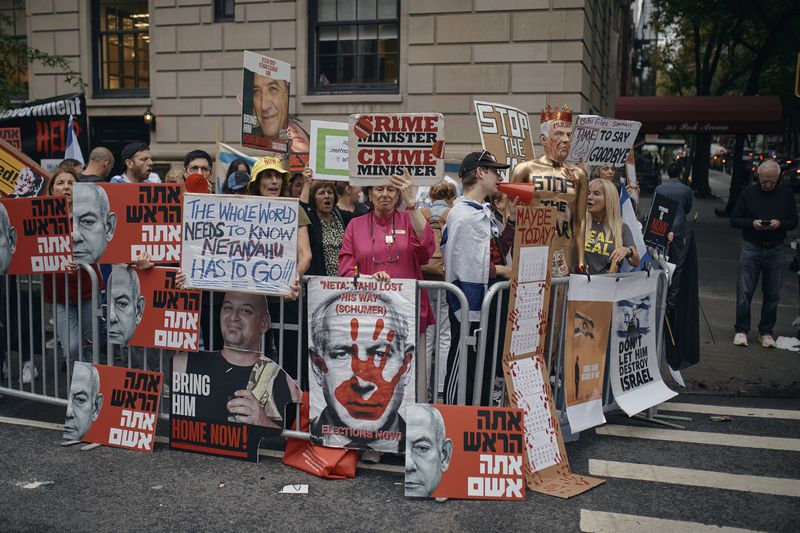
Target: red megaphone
x,y
197,183
524,191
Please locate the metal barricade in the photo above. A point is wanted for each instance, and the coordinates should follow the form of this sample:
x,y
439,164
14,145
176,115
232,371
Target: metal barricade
x,y
555,340
69,317
22,299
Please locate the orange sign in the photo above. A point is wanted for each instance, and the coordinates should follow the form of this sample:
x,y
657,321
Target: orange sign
x,y
34,235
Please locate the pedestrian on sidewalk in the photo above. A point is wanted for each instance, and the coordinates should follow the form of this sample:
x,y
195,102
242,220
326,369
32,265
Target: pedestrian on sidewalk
x,y
682,194
764,212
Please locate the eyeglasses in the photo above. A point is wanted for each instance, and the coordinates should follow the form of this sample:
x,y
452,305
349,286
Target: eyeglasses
x,y
202,170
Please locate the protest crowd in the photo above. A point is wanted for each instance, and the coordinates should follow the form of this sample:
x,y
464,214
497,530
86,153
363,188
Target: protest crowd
x,y
340,323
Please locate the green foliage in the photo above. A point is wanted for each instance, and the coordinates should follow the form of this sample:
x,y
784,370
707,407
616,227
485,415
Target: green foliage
x,y
15,54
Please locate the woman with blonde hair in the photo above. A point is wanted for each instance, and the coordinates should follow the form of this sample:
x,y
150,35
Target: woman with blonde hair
x,y
608,240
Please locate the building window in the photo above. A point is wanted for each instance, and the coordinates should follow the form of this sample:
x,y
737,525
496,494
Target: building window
x,y
15,67
354,46
224,10
121,48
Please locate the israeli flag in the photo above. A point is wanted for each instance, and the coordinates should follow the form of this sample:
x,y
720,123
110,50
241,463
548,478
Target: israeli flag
x,y
73,148
629,217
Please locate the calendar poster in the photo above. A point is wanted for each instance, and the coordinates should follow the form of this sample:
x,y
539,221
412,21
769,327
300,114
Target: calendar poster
x,y
589,307
547,468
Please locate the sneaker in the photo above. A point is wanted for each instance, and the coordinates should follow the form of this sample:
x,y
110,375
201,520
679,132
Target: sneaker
x,y
371,456
29,372
740,339
497,392
767,341
51,344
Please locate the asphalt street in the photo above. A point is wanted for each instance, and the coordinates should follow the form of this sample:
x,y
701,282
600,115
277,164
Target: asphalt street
x,y
741,473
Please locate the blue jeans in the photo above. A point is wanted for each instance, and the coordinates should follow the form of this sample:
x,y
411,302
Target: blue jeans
x,y
67,322
755,260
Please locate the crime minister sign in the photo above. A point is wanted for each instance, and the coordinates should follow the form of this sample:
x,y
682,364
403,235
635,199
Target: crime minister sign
x,y
384,145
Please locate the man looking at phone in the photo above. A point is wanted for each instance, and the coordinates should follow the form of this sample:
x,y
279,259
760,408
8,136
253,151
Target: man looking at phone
x,y
764,212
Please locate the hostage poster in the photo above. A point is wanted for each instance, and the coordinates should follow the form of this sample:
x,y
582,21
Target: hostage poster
x,y
240,243
117,222
154,313
265,103
113,406
458,451
382,145
362,361
34,235
506,133
634,373
19,176
40,128
225,402
589,306
602,141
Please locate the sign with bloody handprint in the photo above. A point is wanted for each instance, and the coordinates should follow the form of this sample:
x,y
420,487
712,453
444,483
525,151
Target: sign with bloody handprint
x,y
362,361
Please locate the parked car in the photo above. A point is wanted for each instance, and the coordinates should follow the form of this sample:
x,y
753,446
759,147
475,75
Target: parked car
x,y
790,174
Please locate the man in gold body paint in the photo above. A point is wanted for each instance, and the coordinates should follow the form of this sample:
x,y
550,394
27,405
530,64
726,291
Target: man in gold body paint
x,y
560,185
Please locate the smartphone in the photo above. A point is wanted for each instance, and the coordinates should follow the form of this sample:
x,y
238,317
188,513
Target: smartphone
x,y
765,222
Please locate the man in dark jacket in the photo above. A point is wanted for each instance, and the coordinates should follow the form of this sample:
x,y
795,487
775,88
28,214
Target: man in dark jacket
x,y
764,212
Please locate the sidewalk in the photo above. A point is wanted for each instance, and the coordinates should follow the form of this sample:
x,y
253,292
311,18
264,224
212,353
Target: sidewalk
x,y
725,368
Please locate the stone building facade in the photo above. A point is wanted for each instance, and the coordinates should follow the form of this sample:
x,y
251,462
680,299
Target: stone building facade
x,y
527,53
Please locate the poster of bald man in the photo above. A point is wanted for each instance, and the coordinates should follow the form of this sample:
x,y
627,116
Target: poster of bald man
x,y
34,235
458,451
158,314
113,406
118,222
20,177
362,361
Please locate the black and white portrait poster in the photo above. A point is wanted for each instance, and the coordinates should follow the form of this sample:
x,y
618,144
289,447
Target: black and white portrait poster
x,y
362,357
635,377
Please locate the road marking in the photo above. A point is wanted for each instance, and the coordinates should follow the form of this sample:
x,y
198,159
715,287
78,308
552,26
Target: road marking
x,y
756,301
701,437
784,414
164,440
601,522
696,478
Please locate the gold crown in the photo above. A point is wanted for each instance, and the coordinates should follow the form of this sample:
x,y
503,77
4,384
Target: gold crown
x,y
563,114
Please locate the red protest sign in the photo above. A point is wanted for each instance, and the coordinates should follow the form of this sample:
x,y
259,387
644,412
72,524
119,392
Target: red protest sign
x,y
457,451
113,406
115,222
34,235
170,317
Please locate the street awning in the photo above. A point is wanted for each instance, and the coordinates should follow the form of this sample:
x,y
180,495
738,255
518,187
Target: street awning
x,y
703,114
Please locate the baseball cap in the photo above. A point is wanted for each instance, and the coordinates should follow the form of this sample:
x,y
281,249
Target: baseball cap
x,y
133,148
268,163
479,159
236,182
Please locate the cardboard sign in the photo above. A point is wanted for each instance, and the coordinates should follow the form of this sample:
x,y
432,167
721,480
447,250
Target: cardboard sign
x,y
265,102
457,451
586,345
602,141
329,150
113,406
240,243
382,145
547,469
659,221
117,222
19,175
506,133
361,345
34,235
40,128
634,374
170,317
205,386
